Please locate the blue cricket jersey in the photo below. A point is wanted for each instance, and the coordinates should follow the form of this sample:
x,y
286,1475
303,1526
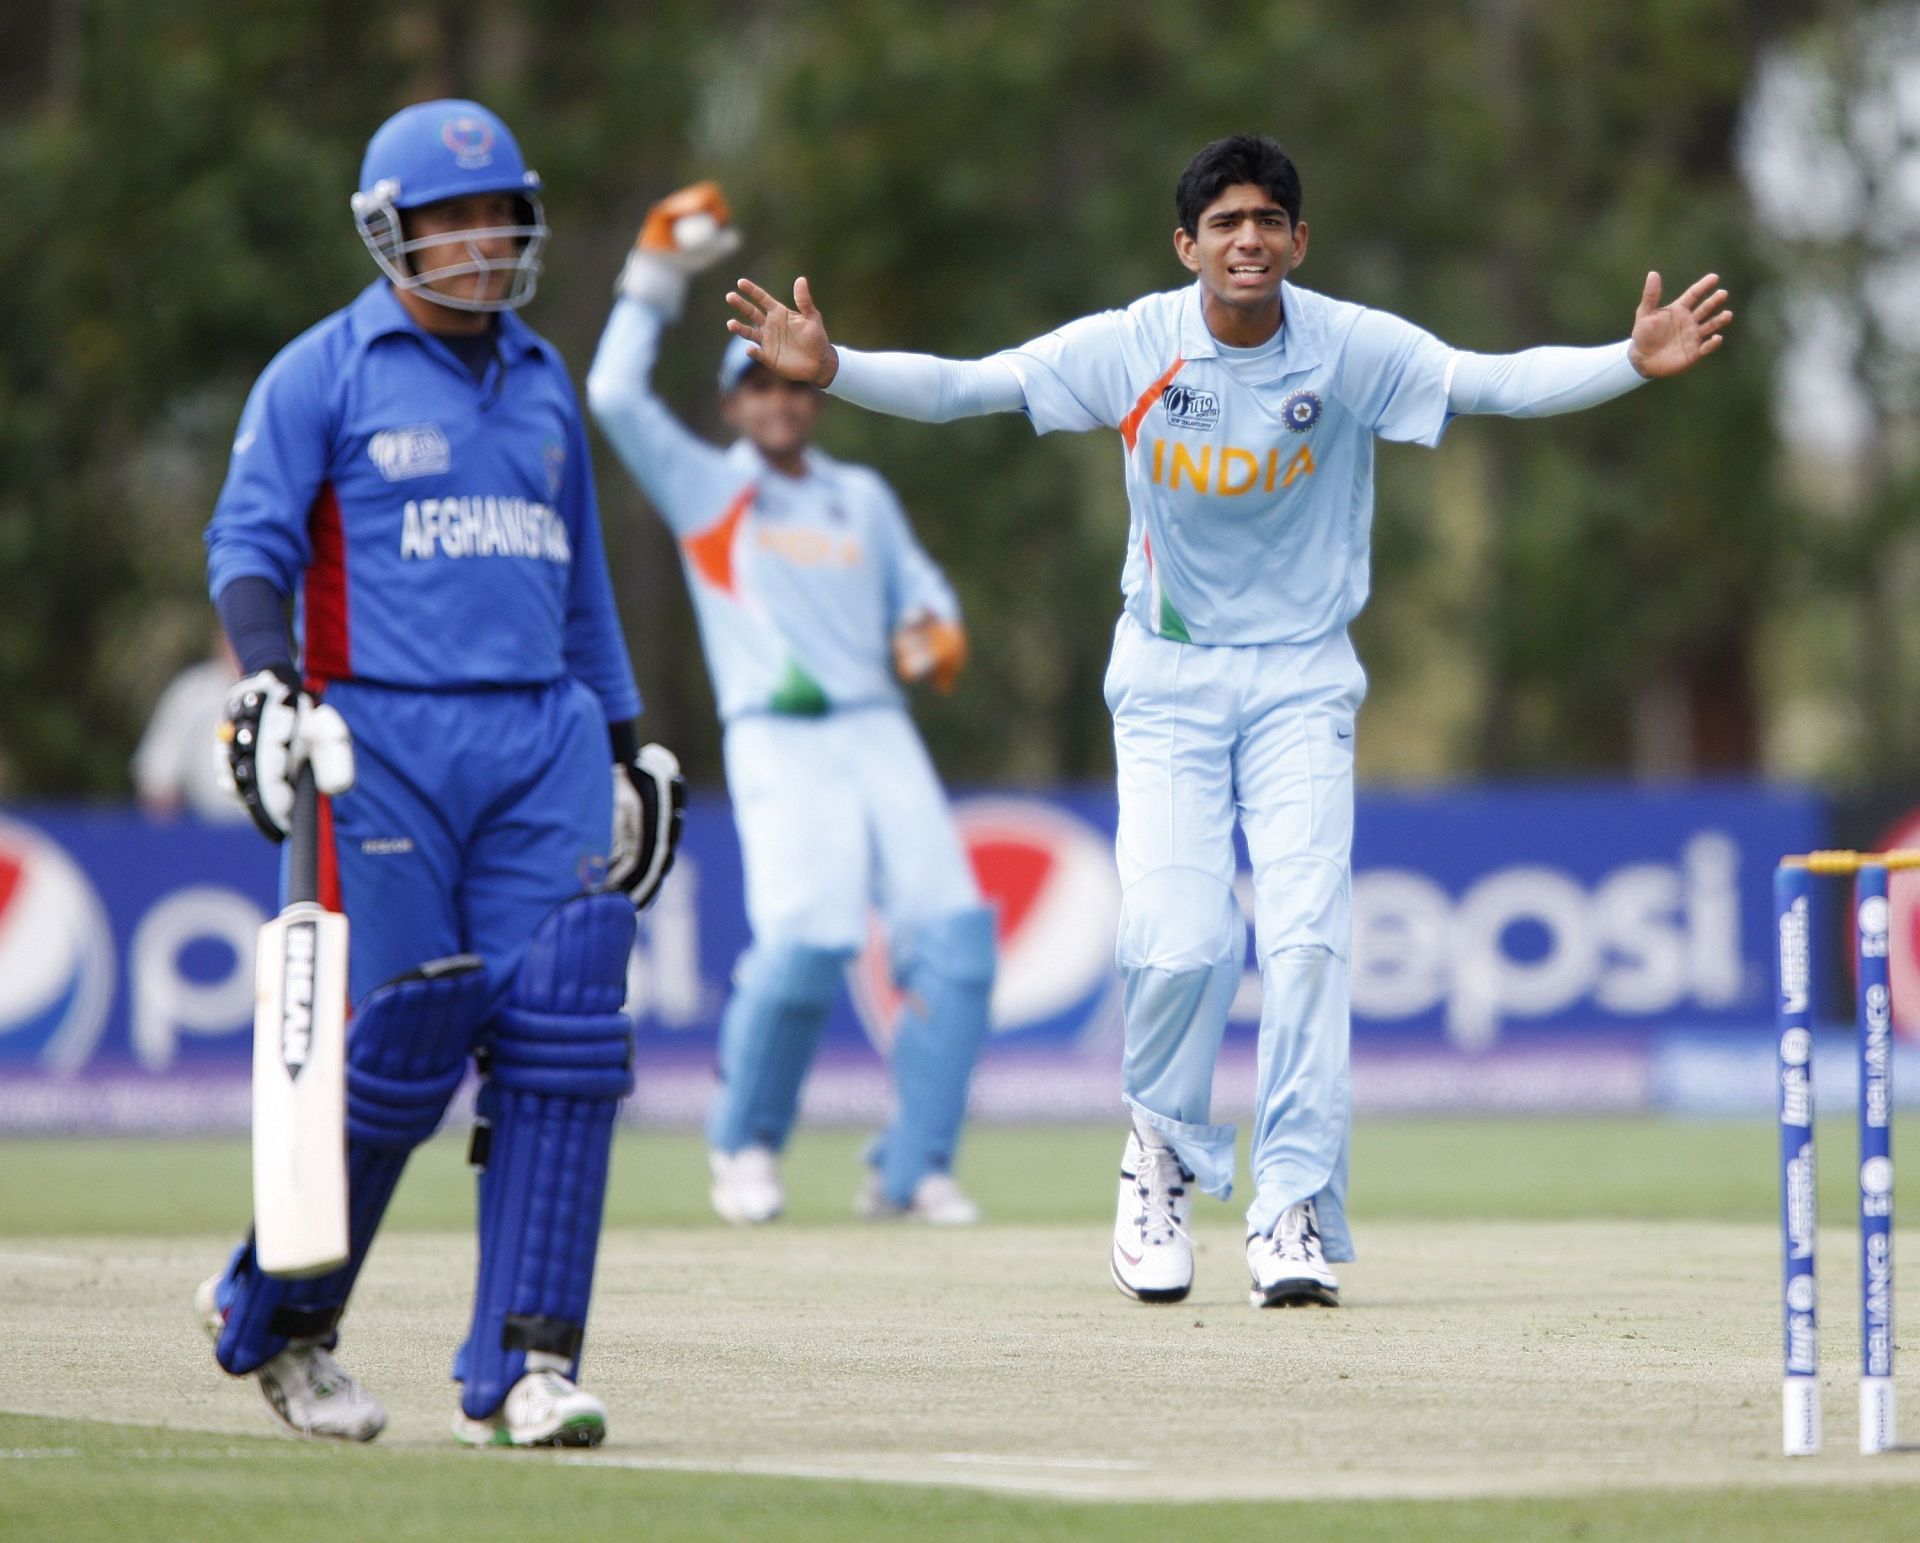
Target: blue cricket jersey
x,y
436,531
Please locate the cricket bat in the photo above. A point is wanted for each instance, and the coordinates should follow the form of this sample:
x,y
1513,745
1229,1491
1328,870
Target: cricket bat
x,y
299,1068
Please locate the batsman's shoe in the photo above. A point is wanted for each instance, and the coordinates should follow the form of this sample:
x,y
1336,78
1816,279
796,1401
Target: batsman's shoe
x,y
545,1408
312,1394
938,1200
746,1186
1289,1269
1152,1249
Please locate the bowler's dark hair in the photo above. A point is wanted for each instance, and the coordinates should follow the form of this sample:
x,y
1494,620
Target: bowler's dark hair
x,y
1238,158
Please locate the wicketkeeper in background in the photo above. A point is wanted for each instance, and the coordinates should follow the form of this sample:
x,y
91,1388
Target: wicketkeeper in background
x,y
413,474
811,594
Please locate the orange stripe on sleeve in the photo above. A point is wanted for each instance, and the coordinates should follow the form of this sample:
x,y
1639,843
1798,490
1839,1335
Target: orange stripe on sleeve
x,y
711,550
1130,425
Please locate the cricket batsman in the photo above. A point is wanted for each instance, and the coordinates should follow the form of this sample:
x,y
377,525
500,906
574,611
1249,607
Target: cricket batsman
x,y
811,594
1246,408
412,475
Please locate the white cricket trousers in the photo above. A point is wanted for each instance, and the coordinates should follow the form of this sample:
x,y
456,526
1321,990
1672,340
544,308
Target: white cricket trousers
x,y
1205,735
839,813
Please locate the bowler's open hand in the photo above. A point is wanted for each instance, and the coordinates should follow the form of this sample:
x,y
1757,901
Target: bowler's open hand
x,y
789,340
1668,339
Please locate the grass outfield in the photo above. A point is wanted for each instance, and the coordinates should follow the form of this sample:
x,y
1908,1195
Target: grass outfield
x,y
70,1480
1417,1170
1556,1329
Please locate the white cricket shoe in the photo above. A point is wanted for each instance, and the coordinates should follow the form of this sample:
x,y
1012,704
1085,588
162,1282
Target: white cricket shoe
x,y
545,1408
312,1394
1152,1249
938,1200
1289,1269
746,1186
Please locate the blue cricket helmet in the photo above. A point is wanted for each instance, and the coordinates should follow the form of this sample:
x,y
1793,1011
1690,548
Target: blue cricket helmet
x,y
426,154
734,364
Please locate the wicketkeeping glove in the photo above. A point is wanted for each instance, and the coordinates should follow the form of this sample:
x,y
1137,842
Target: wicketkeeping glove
x,y
649,807
930,649
685,233
274,728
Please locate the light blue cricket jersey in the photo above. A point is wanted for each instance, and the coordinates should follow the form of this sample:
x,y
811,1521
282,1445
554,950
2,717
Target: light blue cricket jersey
x,y
798,583
1250,484
437,531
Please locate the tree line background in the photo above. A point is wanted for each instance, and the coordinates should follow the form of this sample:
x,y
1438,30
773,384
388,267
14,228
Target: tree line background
x,y
1678,584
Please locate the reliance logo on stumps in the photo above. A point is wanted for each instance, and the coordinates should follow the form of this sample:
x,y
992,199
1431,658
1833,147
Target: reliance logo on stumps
x,y
1795,960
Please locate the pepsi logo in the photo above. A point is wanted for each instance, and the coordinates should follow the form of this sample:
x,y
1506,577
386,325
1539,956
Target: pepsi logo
x,y
1050,879
1903,929
57,965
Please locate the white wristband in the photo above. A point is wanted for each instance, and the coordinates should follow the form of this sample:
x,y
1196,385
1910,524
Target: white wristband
x,y
652,282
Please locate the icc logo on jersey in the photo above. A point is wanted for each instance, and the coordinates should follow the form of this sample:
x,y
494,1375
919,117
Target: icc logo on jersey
x,y
418,450
1190,408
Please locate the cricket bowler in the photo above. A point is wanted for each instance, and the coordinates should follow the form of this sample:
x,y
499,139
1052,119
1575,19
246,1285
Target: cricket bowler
x,y
1246,408
812,596
412,475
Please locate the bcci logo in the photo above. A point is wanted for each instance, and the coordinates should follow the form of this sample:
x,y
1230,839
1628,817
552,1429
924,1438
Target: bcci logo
x,y
1190,408
470,139
418,450
1301,411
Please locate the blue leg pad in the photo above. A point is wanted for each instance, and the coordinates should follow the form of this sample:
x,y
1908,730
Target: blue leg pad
x,y
946,969
781,996
559,1059
406,1053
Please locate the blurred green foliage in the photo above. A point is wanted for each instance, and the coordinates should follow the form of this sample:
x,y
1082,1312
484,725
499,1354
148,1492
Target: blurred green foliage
x,y
953,178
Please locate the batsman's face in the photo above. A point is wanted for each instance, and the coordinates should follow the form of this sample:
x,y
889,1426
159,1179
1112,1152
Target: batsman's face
x,y
1244,244
466,232
775,415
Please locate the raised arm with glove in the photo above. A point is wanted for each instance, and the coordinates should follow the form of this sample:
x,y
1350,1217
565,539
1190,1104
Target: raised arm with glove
x,y
684,234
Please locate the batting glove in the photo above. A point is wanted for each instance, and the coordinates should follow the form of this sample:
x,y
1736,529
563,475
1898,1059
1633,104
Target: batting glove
x,y
272,730
649,809
685,233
